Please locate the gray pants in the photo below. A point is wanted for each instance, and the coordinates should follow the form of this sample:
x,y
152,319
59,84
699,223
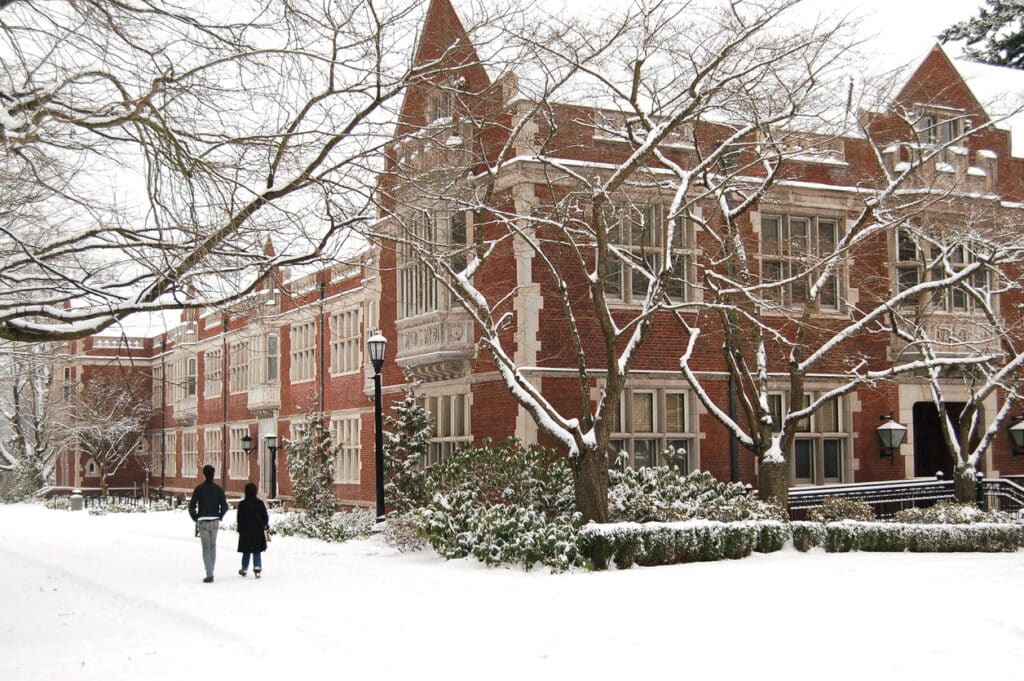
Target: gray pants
x,y
208,536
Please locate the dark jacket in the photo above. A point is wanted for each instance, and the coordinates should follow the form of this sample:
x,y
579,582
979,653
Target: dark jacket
x,y
208,501
252,521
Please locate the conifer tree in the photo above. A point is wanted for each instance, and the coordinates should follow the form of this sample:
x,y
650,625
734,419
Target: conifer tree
x,y
311,459
999,28
406,443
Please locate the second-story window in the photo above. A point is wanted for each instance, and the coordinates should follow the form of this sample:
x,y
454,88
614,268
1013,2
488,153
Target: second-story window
x,y
638,235
238,380
791,248
918,261
303,352
213,372
264,361
418,291
345,342
191,379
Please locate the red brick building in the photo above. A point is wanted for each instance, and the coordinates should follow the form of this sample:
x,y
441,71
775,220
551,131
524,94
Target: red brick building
x,y
299,343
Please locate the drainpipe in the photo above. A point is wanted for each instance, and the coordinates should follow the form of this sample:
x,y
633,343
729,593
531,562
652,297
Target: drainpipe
x,y
163,415
322,288
224,403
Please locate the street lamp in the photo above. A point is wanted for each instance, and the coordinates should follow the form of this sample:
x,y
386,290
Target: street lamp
x,y
270,442
376,346
890,434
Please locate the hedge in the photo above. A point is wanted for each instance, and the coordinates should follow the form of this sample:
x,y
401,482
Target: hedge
x,y
680,542
648,544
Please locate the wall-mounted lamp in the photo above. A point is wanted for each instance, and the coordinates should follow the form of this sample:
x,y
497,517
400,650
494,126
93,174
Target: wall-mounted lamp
x,y
1016,431
890,434
246,443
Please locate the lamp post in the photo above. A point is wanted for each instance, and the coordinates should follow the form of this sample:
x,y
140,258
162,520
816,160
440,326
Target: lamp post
x,y
376,346
890,434
270,442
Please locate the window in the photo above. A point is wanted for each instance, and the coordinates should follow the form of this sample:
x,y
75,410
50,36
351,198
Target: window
x,y
213,442
648,422
638,233
264,360
66,386
440,105
345,342
791,248
303,353
189,454
238,467
238,378
436,236
213,367
820,442
346,438
917,263
190,376
170,449
450,416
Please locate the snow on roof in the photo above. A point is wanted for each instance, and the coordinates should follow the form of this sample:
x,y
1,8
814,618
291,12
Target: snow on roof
x,y
143,325
1000,90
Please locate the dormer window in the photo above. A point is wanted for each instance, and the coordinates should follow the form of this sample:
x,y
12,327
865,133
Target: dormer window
x,y
941,128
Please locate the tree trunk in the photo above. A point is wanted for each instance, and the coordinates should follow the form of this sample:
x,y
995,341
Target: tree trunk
x,y
773,483
965,487
590,484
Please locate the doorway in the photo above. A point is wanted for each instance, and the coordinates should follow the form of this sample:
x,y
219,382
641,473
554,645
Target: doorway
x,y
931,454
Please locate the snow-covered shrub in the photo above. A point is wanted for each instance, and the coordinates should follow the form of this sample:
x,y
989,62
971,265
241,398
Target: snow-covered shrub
x,y
503,503
834,509
950,512
807,535
678,542
406,443
772,536
337,527
664,494
850,535
311,457
404,531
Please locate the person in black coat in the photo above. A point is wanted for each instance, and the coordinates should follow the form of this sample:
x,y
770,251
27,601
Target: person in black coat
x,y
207,507
253,524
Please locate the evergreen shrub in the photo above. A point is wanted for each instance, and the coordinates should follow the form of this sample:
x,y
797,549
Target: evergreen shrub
x,y
840,508
950,512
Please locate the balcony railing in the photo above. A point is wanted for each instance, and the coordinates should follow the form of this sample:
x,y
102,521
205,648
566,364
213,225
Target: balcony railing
x,y
436,346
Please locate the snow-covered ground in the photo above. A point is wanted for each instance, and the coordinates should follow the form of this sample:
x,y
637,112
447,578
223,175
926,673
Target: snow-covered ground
x,y
121,596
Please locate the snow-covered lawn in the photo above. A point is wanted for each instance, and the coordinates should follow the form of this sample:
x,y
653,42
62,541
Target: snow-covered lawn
x,y
120,596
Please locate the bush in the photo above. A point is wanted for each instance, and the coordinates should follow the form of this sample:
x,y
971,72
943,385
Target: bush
x,y
840,508
503,504
337,527
852,535
662,494
650,544
807,535
950,512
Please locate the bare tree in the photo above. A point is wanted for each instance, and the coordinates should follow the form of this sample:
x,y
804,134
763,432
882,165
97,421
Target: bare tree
x,y
107,420
149,148
605,196
29,444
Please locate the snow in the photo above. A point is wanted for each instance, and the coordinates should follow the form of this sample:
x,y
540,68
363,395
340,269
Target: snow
x,y
94,597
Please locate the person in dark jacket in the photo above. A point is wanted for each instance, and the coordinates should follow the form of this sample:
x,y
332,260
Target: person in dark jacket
x,y
253,523
207,507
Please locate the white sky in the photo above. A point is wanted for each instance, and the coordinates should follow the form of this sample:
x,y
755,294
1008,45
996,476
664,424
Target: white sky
x,y
96,598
